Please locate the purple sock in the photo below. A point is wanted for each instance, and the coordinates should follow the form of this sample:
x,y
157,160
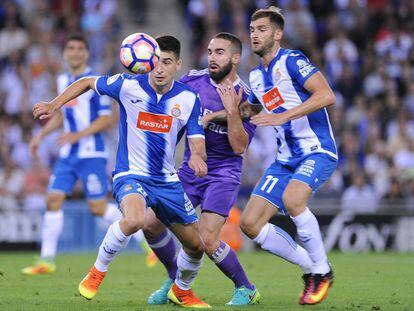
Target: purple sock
x,y
166,250
226,260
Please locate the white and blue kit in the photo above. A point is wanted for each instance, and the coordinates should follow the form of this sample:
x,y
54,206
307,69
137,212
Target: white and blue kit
x,y
306,146
86,159
150,126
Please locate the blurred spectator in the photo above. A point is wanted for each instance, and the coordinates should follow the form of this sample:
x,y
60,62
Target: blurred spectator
x,y
339,53
376,166
299,26
359,198
12,85
394,194
399,132
11,184
12,37
36,180
404,158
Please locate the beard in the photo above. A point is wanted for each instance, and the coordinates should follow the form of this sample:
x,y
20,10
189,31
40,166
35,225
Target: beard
x,y
219,75
267,46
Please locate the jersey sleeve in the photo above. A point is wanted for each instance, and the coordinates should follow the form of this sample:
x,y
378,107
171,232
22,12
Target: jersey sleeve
x,y
299,67
109,85
194,127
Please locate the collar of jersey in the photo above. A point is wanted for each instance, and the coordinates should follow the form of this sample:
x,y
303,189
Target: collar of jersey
x,y
144,82
267,74
235,83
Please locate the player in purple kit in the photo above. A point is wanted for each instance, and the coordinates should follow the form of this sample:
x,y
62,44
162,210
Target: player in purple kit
x,y
219,87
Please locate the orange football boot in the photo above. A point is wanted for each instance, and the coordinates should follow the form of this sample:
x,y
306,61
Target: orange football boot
x,y
185,298
88,287
316,288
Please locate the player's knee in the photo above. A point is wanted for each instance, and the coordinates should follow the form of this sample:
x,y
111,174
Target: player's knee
x,y
195,246
210,243
133,224
197,249
54,201
249,227
293,203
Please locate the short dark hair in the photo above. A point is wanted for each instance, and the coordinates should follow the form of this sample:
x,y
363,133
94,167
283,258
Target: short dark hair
x,y
273,13
235,41
169,43
77,37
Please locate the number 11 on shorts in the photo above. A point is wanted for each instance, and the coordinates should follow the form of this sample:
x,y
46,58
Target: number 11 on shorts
x,y
269,180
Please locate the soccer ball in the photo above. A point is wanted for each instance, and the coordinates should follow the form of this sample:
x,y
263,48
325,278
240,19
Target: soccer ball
x,y
139,53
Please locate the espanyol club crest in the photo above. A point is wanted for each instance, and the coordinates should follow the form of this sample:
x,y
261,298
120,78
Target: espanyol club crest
x,y
176,111
278,74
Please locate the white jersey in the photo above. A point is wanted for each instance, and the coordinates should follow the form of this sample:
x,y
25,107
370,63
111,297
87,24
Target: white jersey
x,y
150,125
78,114
280,87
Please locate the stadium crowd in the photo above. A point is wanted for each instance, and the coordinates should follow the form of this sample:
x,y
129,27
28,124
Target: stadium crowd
x,y
364,47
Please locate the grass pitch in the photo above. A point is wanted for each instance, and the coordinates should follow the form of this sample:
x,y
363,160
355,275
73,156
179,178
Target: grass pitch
x,y
363,282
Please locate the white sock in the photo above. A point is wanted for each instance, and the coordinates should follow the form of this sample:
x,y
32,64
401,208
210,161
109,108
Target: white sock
x,y
279,242
112,213
51,229
115,240
187,269
310,235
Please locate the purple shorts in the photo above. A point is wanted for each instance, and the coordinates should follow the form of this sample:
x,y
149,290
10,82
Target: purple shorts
x,y
216,195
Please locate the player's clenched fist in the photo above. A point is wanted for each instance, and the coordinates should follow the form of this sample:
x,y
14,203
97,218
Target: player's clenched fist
x,y
43,110
198,165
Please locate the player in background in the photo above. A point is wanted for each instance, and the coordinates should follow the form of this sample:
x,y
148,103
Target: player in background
x,y
154,110
219,87
82,156
294,95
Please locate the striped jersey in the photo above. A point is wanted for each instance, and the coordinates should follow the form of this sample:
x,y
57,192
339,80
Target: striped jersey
x,y
280,87
78,114
150,124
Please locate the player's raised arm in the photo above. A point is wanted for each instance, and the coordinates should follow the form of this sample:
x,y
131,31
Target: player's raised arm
x,y
246,111
307,76
44,110
237,135
322,96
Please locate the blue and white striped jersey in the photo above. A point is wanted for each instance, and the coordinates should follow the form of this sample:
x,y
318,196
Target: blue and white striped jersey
x,y
150,124
78,114
280,87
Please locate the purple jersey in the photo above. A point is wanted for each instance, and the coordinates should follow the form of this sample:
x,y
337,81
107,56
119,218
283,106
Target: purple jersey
x,y
221,160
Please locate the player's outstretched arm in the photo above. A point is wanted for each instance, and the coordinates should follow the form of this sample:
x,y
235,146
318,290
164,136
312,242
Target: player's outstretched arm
x,y
322,96
246,111
217,116
198,156
44,110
